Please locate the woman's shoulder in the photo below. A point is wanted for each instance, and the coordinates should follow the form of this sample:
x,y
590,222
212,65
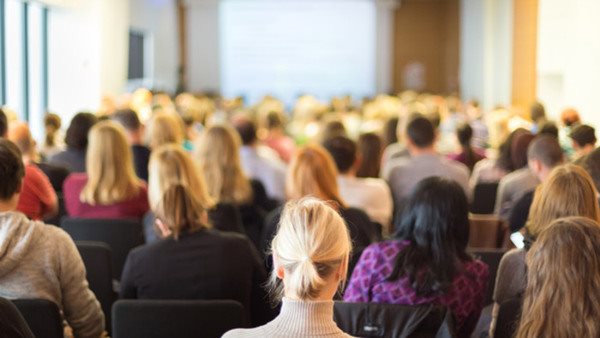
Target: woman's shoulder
x,y
75,180
386,249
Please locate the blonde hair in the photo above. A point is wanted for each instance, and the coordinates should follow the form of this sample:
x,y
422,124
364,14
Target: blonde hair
x,y
562,298
111,176
568,191
164,128
217,152
313,172
180,210
169,165
312,241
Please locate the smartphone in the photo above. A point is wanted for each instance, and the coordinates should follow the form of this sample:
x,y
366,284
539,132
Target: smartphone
x,y
518,239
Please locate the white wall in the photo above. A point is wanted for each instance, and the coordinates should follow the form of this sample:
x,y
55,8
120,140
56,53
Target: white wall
x,y
568,54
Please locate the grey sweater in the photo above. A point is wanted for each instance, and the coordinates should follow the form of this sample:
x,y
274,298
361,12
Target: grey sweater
x,y
296,319
41,261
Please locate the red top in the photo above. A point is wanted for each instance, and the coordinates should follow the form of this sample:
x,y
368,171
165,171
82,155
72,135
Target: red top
x,y
132,208
37,195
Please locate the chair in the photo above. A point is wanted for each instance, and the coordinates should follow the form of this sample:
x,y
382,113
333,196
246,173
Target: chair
x,y
12,323
485,231
97,260
492,258
175,318
392,320
42,316
509,316
484,198
121,235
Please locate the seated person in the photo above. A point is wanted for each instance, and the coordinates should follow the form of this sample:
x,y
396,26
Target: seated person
x,y
135,134
38,199
423,162
76,139
40,261
171,164
568,191
193,261
584,140
562,298
311,252
369,194
110,189
468,155
370,148
427,262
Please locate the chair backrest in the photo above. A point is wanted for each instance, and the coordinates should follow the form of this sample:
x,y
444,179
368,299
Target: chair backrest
x,y
42,316
175,318
509,316
484,198
12,323
492,258
121,235
485,231
392,320
96,257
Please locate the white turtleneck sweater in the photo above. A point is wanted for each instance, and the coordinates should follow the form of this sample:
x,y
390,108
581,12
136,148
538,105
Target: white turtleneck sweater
x,y
296,319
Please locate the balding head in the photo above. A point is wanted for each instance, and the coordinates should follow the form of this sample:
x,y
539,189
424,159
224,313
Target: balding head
x,y
20,135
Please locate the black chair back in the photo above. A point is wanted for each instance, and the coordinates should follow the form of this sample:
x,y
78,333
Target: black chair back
x,y
484,198
509,316
392,320
96,257
121,235
175,318
492,258
42,316
12,323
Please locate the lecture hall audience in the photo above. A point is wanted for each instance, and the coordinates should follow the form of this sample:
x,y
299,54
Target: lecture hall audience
x,y
76,140
135,135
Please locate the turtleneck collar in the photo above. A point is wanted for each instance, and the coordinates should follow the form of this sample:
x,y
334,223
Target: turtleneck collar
x,y
311,318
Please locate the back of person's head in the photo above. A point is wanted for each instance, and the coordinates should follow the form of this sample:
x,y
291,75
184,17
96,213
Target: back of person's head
x,y
570,117
547,150
390,134
246,129
435,222
420,132
343,150
109,163
464,133
370,149
568,191
52,124
164,128
591,163
548,128
12,170
217,152
583,135
312,172
180,210
20,135
312,245
333,128
3,124
562,298
76,136
537,112
504,160
518,149
274,120
170,164
128,118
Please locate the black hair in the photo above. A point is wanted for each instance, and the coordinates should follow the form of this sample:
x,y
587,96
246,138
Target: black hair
x,y
12,169
3,123
390,128
548,128
247,131
420,131
583,135
128,119
464,133
343,150
547,150
435,223
77,133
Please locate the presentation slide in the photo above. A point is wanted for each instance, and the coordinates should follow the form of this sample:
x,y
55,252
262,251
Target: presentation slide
x,y
287,48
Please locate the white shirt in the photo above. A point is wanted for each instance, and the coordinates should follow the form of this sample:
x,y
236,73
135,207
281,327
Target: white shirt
x,y
269,170
372,195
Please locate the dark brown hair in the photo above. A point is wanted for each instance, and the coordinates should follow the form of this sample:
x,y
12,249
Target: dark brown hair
x,y
11,169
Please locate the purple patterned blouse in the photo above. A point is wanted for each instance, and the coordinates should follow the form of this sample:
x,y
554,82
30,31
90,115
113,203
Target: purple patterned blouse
x,y
368,284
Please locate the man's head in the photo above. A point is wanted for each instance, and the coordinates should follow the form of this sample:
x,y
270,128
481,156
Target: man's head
x,y
3,124
20,135
131,122
584,139
343,150
246,128
77,134
12,172
420,134
544,153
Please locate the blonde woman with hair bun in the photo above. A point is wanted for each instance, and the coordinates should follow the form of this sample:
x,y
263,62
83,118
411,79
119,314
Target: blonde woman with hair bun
x,y
311,252
110,188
